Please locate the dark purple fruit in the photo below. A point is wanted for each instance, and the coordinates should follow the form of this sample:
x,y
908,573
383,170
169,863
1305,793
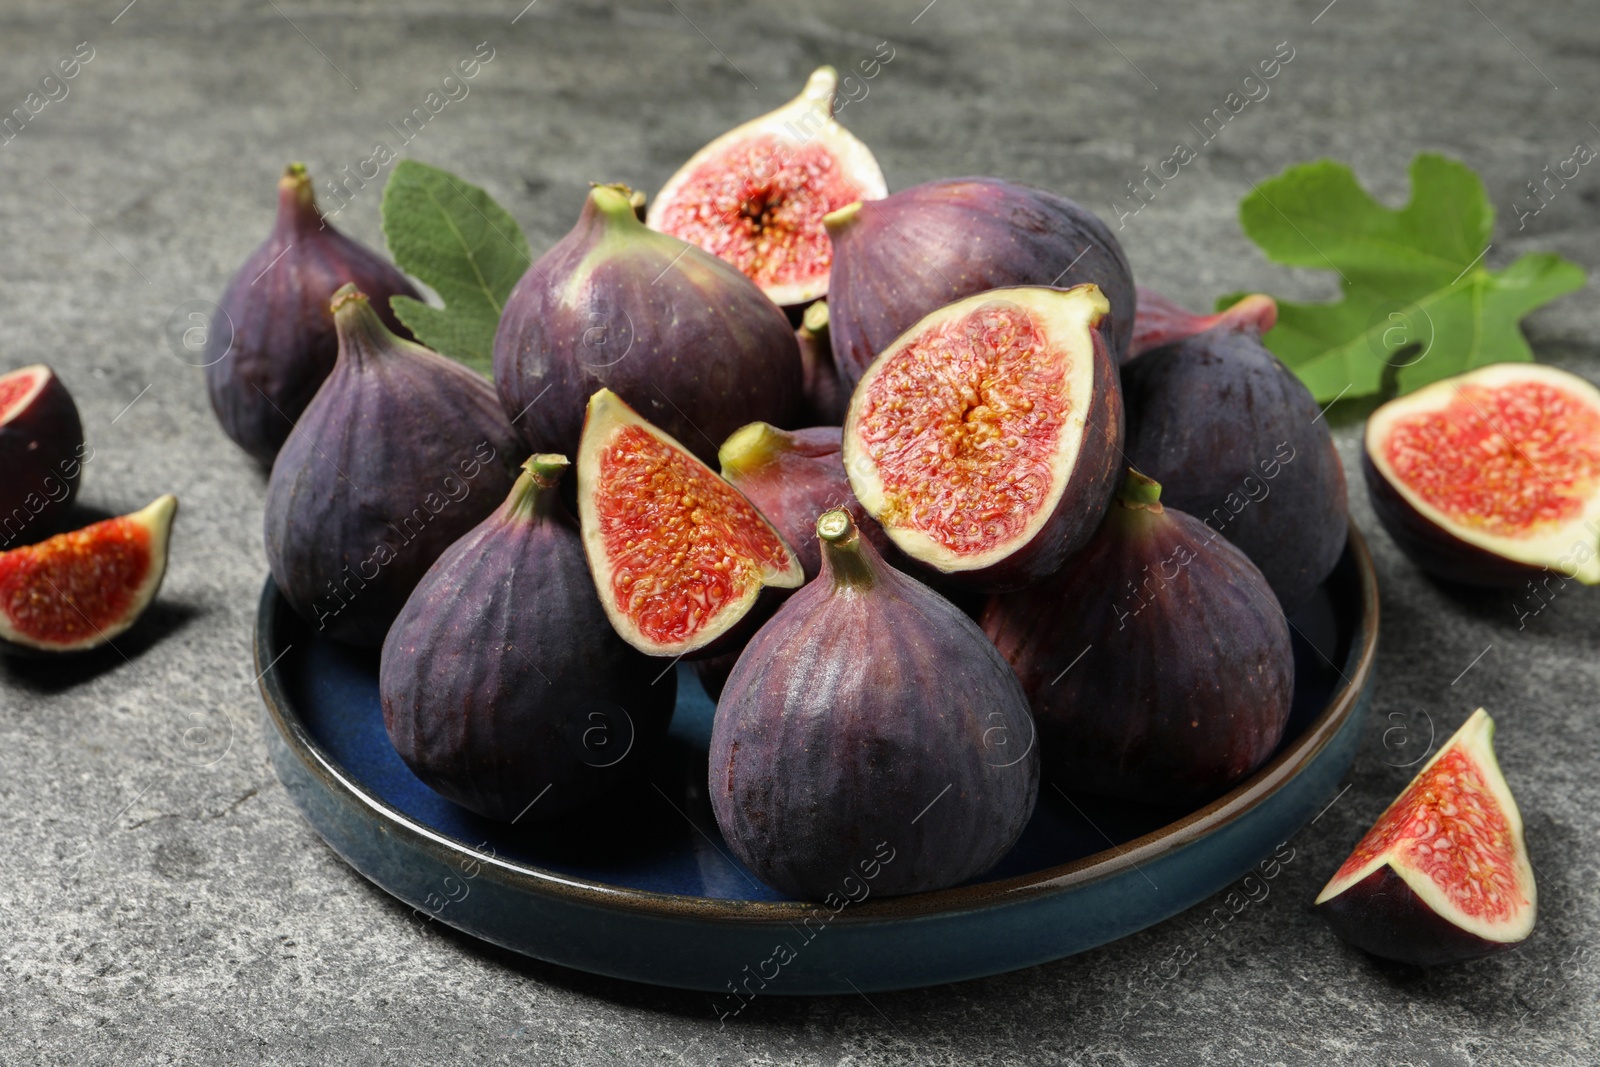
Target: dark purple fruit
x,y
870,733
682,336
504,686
276,342
1157,661
1242,446
401,453
41,451
824,397
899,258
1160,322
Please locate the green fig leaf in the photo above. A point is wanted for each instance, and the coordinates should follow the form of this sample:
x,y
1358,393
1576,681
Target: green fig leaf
x,y
1416,294
453,236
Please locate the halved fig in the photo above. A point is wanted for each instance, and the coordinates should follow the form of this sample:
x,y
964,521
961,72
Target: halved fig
x,y
78,590
756,195
41,449
987,439
1159,321
678,555
1491,477
1443,875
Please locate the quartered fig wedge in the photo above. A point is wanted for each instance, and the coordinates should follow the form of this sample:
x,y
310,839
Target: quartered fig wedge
x,y
986,440
679,556
41,450
1159,321
756,195
1491,477
76,591
1443,875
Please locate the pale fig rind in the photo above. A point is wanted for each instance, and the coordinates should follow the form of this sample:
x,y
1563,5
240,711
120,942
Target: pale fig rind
x,y
1160,322
41,451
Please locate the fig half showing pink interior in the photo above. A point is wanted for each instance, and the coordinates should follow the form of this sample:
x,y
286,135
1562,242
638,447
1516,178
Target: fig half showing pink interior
x,y
679,556
756,195
1443,875
1491,477
986,440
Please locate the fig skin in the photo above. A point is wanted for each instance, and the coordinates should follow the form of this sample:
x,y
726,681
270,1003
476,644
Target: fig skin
x,y
41,452
1240,444
899,258
1160,322
503,682
824,397
1380,914
401,452
281,333
1187,682
682,336
869,733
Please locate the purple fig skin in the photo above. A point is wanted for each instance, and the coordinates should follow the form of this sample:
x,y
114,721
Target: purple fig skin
x,y
504,687
1160,322
1189,674
1382,915
897,259
824,397
41,454
870,733
1241,444
276,344
401,452
682,336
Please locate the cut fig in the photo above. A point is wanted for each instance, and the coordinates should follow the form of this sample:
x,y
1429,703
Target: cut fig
x,y
756,195
678,555
41,450
1160,322
1443,875
76,591
1492,477
986,440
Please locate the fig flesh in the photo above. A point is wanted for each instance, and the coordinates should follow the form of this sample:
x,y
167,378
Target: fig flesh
x,y
896,260
824,398
870,731
276,343
679,557
986,440
1241,445
1491,478
79,590
756,195
41,451
1160,322
1443,875
503,684
1157,662
401,452
680,334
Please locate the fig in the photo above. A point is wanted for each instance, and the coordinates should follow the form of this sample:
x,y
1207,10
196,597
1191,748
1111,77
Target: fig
x,y
276,343
41,450
1157,663
678,333
1242,446
756,195
898,259
1160,322
823,397
504,687
986,440
401,452
79,590
869,730
1491,478
1443,875
678,556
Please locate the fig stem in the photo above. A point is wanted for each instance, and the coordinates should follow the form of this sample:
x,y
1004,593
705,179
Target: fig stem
x,y
297,201
834,221
843,560
815,319
1140,491
616,202
750,448
361,332
535,490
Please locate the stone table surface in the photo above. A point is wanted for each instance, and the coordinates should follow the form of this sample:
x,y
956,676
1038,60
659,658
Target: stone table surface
x,y
163,904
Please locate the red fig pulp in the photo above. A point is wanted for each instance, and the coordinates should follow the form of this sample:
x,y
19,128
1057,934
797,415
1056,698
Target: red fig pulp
x,y
41,451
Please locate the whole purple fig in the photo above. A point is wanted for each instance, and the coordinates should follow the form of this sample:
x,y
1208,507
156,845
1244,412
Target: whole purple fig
x,y
899,258
824,397
686,339
41,452
870,734
276,344
504,686
1157,661
401,452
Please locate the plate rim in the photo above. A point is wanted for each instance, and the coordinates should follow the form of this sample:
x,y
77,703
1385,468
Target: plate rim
x,y
530,879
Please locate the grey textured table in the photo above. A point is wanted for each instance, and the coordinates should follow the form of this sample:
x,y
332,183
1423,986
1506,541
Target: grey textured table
x,y
160,898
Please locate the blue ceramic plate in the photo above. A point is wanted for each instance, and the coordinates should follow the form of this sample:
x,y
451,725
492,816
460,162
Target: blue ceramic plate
x,y
644,888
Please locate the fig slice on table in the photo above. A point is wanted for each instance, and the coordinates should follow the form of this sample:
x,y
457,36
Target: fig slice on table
x,y
986,440
41,449
1443,875
679,556
1492,477
1160,322
756,195
78,590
